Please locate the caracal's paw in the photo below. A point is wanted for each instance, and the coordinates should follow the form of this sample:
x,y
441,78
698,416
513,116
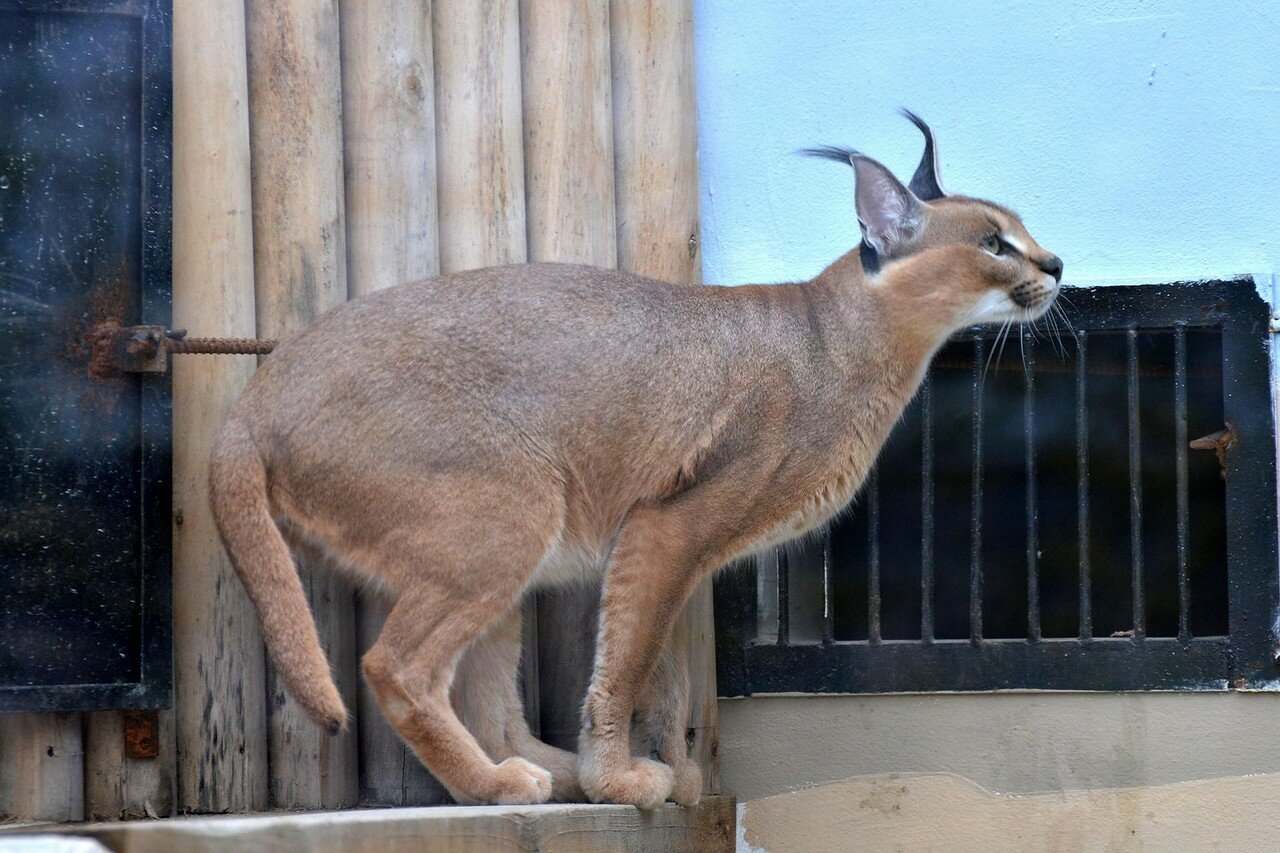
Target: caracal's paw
x,y
688,787
520,782
565,787
646,784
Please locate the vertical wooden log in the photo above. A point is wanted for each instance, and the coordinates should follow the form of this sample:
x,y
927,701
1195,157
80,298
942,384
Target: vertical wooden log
x,y
568,131
117,787
655,145
299,235
41,767
655,133
479,164
568,156
389,149
389,139
219,680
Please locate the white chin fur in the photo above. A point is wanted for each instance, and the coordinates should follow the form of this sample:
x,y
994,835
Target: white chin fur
x,y
996,306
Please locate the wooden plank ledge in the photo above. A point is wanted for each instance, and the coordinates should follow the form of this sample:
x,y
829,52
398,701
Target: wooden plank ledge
x,y
562,828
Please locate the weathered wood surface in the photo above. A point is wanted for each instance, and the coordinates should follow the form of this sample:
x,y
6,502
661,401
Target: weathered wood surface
x,y
568,157
530,672
295,108
388,118
707,828
42,841
117,787
41,767
479,160
655,138
656,183
219,682
568,131
389,138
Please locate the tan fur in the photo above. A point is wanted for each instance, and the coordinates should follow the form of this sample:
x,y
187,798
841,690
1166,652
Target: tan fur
x,y
466,438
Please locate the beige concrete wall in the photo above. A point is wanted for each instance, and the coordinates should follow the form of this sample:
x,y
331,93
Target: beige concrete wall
x,y
1004,771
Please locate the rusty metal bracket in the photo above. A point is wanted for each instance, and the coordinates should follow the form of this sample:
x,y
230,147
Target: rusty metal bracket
x,y
1220,442
141,734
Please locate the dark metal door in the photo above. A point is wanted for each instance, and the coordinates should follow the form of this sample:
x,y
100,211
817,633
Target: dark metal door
x,y
84,447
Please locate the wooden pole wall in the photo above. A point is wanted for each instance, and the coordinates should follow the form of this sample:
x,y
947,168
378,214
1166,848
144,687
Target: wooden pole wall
x,y
388,117
219,678
299,237
568,157
332,148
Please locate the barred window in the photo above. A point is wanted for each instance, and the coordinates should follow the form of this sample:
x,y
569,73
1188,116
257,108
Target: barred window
x,y
1091,511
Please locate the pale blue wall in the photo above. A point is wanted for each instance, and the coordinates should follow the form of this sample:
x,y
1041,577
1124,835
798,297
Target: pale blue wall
x,y
1139,140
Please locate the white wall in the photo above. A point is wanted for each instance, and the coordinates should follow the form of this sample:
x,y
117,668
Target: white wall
x,y
1139,140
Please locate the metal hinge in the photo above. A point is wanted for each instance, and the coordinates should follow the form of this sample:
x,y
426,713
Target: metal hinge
x,y
141,734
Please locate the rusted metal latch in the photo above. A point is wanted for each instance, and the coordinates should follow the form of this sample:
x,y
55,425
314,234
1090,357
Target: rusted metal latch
x,y
1219,442
145,349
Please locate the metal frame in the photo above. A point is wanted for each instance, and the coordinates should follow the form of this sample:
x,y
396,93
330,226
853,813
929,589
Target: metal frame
x,y
748,663
155,687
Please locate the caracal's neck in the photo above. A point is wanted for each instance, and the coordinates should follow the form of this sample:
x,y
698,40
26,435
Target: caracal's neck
x,y
889,321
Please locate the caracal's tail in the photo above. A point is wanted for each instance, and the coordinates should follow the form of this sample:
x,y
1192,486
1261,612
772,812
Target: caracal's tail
x,y
238,493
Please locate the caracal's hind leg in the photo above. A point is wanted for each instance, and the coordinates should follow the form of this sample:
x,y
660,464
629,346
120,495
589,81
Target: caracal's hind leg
x,y
662,717
487,697
456,581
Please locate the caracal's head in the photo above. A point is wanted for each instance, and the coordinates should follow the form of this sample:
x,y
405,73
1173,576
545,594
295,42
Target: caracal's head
x,y
956,260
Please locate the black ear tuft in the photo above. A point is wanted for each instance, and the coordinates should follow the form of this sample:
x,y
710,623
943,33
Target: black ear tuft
x,y
831,152
925,183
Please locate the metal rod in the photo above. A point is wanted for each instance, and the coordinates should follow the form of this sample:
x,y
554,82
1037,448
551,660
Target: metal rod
x,y
1033,532
784,597
1082,484
828,617
926,510
1135,491
1180,454
219,346
873,556
975,506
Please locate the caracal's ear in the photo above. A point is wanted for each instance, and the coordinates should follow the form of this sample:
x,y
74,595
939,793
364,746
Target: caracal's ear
x,y
888,213
926,183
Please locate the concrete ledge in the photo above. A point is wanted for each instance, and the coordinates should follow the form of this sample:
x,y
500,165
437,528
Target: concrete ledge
x,y
457,829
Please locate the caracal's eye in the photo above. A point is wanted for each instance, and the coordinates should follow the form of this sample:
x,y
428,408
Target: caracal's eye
x,y
993,244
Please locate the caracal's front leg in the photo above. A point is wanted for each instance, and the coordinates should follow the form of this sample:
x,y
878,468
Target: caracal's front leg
x,y
662,552
662,717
